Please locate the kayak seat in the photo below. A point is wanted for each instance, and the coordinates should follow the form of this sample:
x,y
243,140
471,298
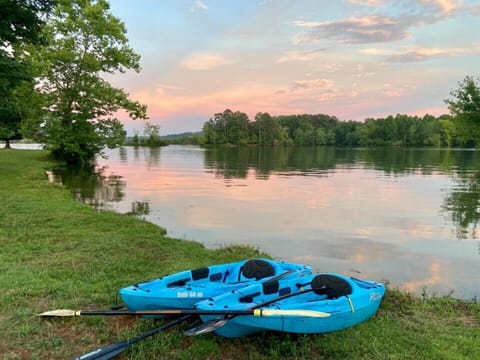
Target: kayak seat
x,y
256,268
330,285
201,273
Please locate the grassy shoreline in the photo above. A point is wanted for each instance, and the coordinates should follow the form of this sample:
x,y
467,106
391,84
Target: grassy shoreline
x,y
57,253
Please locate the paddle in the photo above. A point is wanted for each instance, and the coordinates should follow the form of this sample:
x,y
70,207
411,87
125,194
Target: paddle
x,y
113,350
214,324
252,311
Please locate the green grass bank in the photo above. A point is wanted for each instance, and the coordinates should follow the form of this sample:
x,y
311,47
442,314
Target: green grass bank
x,y
56,253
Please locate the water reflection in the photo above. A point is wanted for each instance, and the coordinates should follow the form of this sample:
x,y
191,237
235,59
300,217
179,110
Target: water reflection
x,y
236,162
463,203
123,154
386,213
96,187
140,208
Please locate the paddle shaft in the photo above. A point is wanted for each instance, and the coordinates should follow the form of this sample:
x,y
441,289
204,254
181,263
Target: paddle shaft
x,y
253,311
113,350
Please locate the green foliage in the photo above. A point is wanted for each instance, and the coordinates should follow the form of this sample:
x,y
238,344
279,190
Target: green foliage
x,y
465,108
448,131
12,74
266,129
135,139
151,137
85,42
21,20
227,128
152,134
319,130
187,138
20,23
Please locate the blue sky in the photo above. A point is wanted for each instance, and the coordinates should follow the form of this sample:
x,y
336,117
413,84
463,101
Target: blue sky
x,y
352,59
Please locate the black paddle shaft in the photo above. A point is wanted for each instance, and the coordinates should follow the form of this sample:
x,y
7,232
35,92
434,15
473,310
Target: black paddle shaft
x,y
175,312
113,350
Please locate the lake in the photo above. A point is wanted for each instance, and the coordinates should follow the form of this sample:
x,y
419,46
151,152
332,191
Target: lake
x,y
408,216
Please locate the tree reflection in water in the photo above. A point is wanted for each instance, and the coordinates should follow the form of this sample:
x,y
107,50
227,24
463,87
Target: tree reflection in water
x,y
463,203
92,186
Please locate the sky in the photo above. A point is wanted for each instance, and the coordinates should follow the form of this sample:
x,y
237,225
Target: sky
x,y
351,59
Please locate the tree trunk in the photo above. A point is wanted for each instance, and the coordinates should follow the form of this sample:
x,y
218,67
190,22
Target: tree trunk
x,y
7,144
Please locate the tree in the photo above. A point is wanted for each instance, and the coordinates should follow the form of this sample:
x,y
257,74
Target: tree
x,y
85,42
135,139
12,74
447,130
266,128
20,22
209,133
152,133
465,108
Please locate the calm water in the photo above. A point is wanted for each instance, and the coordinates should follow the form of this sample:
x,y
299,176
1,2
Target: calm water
x,y
408,216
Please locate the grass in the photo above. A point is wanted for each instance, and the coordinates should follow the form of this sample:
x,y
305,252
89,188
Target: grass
x,y
57,253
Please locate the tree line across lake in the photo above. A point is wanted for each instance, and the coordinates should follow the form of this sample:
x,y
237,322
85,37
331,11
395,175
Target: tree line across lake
x,y
460,128
235,128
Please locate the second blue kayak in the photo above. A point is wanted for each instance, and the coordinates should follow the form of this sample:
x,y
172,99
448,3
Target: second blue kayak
x,y
309,304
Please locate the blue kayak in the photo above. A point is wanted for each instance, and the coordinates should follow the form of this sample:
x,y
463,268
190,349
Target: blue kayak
x,y
311,304
182,290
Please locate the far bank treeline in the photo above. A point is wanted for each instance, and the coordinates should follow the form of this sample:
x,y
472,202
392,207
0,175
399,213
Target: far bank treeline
x,y
235,128
460,128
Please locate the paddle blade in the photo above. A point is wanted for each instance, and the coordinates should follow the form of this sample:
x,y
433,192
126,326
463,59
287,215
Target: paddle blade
x,y
61,312
107,352
206,327
301,313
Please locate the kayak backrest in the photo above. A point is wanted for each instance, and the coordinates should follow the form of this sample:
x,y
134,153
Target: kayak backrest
x,y
256,268
202,273
331,285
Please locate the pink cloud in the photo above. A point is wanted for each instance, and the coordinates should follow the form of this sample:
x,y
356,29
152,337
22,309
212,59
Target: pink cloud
x,y
311,84
356,30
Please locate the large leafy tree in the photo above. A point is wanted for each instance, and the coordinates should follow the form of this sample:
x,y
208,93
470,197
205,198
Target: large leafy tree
x,y
465,108
20,23
85,43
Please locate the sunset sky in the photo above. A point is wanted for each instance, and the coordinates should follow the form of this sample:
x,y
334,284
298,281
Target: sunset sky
x,y
352,59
